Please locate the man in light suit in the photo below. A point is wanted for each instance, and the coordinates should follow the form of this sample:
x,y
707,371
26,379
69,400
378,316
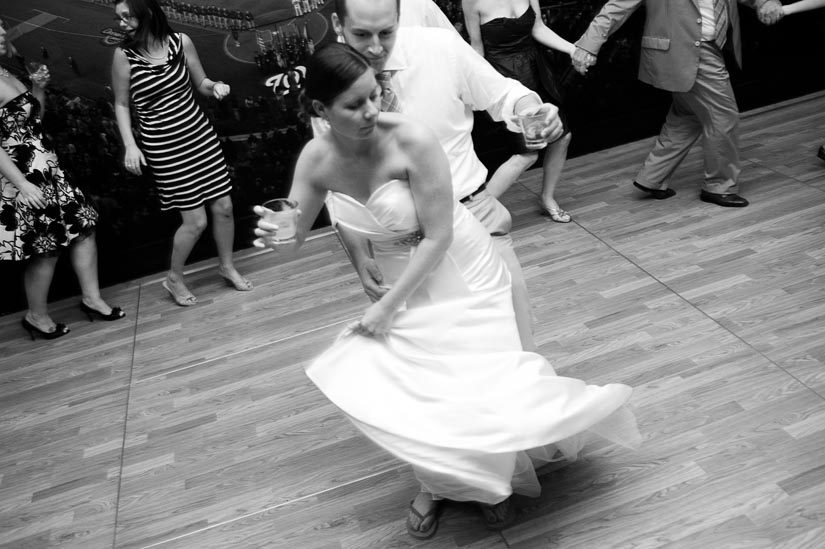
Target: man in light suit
x,y
682,53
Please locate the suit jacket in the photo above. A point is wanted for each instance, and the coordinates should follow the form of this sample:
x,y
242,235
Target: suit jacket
x,y
671,38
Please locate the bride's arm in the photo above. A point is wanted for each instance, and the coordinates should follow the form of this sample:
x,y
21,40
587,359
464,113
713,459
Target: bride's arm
x,y
429,177
308,191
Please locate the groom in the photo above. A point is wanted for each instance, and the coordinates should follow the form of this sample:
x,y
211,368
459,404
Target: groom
x,y
438,79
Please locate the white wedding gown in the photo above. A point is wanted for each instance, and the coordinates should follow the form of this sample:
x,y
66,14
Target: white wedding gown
x,y
449,389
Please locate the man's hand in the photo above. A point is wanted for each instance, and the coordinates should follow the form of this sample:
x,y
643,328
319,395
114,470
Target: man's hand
x,y
372,280
553,128
582,60
770,12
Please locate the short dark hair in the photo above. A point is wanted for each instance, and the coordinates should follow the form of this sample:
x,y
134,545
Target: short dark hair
x,y
341,9
151,20
330,71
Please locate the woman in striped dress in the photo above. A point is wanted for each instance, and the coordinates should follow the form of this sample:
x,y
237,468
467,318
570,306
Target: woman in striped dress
x,y
155,69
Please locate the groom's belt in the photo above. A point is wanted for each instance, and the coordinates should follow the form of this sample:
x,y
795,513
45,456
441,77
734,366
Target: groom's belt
x,y
473,194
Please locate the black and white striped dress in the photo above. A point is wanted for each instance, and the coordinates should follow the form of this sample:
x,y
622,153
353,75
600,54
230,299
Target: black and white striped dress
x,y
180,145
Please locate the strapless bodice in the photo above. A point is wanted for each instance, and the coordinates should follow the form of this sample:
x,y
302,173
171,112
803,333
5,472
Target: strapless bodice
x,y
508,35
388,219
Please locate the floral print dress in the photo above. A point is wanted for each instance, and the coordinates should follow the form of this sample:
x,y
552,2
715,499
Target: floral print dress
x,y
27,231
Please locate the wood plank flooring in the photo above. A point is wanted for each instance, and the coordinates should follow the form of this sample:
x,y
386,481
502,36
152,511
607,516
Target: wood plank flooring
x,y
197,428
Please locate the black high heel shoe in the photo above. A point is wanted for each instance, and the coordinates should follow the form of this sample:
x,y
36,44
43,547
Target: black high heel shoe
x,y
59,330
116,313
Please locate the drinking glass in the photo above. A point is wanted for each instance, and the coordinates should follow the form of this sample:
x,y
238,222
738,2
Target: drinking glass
x,y
36,70
531,127
283,213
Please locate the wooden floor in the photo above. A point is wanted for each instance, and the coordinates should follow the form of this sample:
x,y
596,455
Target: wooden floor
x,y
196,427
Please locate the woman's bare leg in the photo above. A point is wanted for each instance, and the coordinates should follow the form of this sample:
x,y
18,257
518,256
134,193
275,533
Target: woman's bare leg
x,y
509,172
37,279
223,230
83,254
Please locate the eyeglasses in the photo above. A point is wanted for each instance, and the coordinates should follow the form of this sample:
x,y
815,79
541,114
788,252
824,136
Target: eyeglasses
x,y
125,18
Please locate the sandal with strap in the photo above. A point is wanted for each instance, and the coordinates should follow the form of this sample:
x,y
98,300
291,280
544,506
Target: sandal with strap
x,y
429,532
557,215
240,283
498,516
184,300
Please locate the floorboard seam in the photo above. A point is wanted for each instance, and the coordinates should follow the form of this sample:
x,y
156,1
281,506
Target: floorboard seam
x,y
275,507
246,350
701,311
126,418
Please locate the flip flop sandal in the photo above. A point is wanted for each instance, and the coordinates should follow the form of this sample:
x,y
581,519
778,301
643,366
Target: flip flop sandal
x,y
429,532
491,520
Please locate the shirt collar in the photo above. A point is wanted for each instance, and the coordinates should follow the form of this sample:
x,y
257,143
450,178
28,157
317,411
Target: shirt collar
x,y
398,59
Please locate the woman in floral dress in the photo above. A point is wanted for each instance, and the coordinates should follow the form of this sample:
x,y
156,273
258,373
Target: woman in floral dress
x,y
41,213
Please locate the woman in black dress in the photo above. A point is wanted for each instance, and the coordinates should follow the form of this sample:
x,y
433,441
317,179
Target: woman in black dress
x,y
508,34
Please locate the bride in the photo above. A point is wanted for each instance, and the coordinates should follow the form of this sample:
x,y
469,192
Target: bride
x,y
433,371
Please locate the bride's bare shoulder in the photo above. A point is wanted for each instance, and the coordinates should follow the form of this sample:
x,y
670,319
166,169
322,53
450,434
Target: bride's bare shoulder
x,y
316,149
316,159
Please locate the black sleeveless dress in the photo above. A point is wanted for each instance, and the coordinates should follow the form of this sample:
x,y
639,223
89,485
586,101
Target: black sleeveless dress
x,y
509,47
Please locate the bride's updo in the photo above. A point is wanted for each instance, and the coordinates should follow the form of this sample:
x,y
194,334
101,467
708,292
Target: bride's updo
x,y
330,71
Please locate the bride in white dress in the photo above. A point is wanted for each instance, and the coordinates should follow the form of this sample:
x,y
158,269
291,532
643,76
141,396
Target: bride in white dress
x,y
434,371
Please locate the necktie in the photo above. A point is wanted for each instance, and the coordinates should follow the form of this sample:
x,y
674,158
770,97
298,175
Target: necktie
x,y
389,101
720,12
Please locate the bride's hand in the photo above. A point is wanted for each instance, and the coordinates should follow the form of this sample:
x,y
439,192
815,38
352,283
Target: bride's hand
x,y
267,233
372,280
376,321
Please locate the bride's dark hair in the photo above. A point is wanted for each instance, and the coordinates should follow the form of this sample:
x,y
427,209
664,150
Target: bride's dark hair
x,y
330,71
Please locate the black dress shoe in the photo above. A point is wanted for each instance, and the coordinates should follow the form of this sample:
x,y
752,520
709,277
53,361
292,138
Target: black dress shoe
x,y
821,152
658,194
727,200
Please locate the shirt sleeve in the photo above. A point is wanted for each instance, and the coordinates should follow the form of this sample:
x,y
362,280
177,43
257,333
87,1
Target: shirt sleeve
x,y
607,21
481,86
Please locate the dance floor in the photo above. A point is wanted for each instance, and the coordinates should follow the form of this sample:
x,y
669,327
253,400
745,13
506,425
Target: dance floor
x,y
197,428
